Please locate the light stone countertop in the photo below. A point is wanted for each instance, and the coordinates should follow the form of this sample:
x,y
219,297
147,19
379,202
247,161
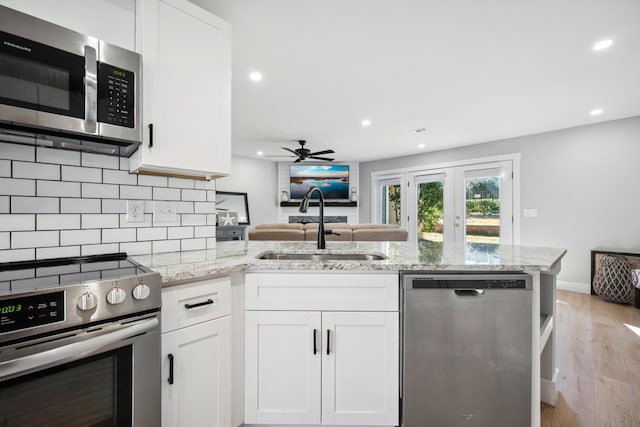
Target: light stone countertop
x,y
233,256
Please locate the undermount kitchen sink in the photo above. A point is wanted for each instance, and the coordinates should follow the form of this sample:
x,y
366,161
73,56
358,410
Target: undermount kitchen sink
x,y
321,257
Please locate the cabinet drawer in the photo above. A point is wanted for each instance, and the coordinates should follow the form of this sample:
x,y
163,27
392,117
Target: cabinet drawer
x,y
186,305
322,291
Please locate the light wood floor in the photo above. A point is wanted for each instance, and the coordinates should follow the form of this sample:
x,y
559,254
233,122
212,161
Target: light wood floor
x,y
599,360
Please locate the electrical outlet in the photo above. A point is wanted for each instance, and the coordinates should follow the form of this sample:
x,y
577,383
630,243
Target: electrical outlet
x,y
531,213
165,212
135,211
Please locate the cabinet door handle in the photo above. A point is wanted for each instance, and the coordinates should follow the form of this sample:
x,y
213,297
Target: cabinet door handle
x,y
150,135
199,304
170,379
328,341
315,341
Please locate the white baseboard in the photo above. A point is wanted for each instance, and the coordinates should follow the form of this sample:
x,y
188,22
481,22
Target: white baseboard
x,y
583,288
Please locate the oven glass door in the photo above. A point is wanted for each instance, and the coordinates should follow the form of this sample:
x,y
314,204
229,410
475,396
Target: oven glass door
x,y
95,391
40,77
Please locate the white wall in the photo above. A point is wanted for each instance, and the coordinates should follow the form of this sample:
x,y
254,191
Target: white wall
x,y
259,179
584,182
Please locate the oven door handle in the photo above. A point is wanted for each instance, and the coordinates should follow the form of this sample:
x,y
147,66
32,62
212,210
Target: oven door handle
x,y
75,350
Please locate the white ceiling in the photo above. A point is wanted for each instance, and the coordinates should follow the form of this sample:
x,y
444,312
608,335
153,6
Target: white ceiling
x,y
468,71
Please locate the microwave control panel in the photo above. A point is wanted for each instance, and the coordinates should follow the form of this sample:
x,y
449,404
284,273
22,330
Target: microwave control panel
x,y
116,96
29,311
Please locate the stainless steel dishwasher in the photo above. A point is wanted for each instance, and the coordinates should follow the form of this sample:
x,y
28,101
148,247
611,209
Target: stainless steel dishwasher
x,y
466,341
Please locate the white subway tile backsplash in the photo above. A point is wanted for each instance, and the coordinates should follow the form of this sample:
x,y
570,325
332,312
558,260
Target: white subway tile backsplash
x,y
114,206
193,244
5,168
212,219
146,223
79,205
57,222
17,255
152,180
211,242
100,161
185,207
166,193
4,204
205,207
103,191
135,192
194,219
194,195
74,173
35,170
119,177
17,187
52,155
35,204
136,248
181,183
79,237
34,239
100,220
124,163
17,222
116,235
5,241
58,189
155,233
205,185
162,246
61,252
211,196
99,249
180,233
17,152
205,231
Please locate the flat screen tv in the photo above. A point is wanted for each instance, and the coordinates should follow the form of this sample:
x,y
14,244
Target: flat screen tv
x,y
333,181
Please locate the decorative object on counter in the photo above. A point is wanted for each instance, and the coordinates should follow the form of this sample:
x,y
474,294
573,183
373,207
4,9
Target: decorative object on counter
x,y
227,218
613,280
284,196
633,258
354,194
233,202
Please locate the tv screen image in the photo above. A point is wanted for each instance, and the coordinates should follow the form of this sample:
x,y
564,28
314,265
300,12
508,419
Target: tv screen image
x,y
333,180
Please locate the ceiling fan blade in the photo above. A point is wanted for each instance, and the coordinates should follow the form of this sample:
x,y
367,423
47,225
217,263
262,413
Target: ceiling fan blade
x,y
297,160
321,158
289,150
322,152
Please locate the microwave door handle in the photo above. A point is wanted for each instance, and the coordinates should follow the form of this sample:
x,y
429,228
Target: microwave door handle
x,y
90,89
74,351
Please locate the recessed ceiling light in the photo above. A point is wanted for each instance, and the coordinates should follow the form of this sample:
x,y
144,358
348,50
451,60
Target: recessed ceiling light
x,y
259,153
366,123
255,76
603,44
596,112
421,145
418,130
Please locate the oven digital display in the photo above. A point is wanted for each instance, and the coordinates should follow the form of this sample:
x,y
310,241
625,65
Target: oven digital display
x,y
27,312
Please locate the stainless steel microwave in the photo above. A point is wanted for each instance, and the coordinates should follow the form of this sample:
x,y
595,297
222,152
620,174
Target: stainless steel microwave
x,y
58,82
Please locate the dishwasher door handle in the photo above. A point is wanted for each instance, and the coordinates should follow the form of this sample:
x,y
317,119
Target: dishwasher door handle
x,y
469,292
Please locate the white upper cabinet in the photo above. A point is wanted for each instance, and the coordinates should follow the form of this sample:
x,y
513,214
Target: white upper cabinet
x,y
186,90
110,20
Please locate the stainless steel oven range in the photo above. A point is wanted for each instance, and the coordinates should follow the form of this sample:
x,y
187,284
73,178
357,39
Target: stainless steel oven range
x,y
79,343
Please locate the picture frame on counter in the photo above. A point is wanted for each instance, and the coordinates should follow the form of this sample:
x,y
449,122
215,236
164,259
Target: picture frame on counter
x,y
234,203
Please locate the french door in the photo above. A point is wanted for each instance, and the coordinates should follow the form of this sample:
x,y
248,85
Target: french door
x,y
469,203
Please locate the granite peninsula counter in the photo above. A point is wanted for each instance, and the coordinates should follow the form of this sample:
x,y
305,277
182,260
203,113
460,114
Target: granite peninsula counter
x,y
401,256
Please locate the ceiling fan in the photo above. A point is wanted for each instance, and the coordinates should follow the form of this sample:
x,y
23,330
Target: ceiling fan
x,y
304,153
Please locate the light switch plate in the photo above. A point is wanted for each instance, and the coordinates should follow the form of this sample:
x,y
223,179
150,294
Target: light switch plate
x,y
135,211
165,212
531,213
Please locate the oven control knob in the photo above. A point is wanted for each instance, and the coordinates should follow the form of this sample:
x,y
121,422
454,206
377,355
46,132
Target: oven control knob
x,y
141,291
87,301
116,296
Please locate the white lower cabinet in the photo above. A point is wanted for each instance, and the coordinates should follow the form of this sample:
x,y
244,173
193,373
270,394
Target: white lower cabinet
x,y
196,355
321,366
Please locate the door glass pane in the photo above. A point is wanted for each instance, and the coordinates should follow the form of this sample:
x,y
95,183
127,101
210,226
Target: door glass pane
x,y
431,211
482,208
390,204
